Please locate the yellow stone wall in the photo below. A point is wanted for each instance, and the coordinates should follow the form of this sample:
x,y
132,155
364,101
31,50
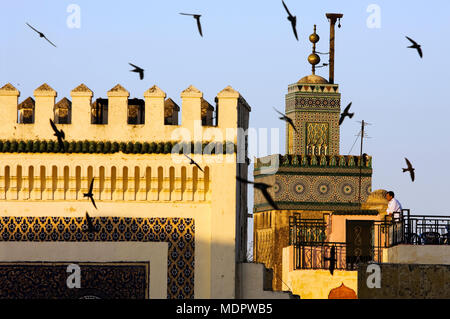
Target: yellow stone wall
x,y
271,235
418,254
314,283
336,230
134,185
317,284
271,231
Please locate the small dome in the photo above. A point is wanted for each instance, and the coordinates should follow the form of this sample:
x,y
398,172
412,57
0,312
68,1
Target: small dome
x,y
376,201
313,79
377,197
342,292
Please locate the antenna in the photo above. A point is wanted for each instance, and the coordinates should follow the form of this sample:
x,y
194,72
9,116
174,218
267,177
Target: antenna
x,y
356,140
363,125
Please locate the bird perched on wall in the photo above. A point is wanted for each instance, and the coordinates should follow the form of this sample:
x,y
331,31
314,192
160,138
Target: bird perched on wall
x,y
91,228
137,70
410,169
332,259
263,188
292,19
196,17
59,134
416,46
346,113
41,34
89,194
365,159
286,119
193,163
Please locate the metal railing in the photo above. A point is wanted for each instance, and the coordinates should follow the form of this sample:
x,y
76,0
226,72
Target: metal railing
x,y
311,251
410,229
306,230
424,229
317,256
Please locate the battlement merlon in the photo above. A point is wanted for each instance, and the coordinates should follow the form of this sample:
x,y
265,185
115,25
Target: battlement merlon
x,y
231,108
277,161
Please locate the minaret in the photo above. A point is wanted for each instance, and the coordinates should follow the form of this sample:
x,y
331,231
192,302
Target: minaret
x,y
313,181
314,105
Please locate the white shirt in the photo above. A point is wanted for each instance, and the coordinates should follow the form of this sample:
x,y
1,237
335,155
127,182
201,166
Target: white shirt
x,y
394,206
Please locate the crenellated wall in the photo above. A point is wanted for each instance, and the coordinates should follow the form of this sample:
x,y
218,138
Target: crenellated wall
x,y
151,186
118,128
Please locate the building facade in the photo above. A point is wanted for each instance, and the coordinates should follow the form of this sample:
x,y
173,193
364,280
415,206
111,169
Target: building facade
x,y
330,233
164,228
313,180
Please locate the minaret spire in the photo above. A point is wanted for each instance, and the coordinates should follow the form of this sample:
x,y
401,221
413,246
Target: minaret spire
x,y
313,58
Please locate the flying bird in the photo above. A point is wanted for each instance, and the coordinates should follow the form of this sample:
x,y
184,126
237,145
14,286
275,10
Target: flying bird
x,y
410,169
91,227
137,70
90,194
292,19
415,46
41,34
346,113
193,162
332,260
286,119
263,188
196,17
59,134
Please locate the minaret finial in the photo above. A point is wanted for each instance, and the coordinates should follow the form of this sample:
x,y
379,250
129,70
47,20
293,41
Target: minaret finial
x,y
313,58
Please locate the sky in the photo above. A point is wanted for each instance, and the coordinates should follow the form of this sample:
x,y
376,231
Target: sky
x,y
250,46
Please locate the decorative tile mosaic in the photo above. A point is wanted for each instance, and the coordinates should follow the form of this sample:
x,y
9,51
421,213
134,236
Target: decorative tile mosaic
x,y
310,103
48,280
177,232
317,192
316,88
317,138
313,104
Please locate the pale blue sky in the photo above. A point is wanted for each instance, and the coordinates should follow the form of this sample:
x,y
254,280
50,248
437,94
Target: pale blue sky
x,y
250,46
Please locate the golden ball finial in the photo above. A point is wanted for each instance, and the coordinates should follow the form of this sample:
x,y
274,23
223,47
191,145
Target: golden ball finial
x,y
314,38
314,59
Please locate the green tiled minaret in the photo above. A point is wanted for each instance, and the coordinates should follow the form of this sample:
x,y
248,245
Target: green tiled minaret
x,y
313,175
314,106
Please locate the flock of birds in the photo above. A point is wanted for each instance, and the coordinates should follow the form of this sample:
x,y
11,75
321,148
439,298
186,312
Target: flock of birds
x,y
260,186
291,18
263,187
60,135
